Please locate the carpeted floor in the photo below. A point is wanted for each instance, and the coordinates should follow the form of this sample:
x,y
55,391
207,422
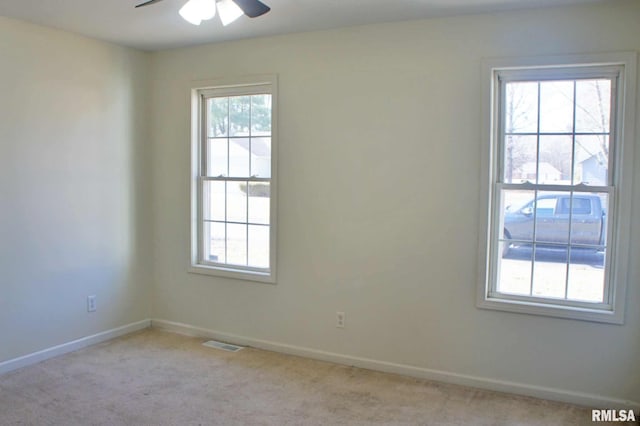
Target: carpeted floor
x,y
159,378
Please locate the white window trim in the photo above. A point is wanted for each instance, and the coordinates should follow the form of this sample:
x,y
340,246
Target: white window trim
x,y
231,86
626,117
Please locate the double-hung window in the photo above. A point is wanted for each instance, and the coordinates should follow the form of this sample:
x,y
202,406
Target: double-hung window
x,y
233,179
559,174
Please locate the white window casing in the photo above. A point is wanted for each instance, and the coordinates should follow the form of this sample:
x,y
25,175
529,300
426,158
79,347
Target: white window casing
x,y
615,188
229,236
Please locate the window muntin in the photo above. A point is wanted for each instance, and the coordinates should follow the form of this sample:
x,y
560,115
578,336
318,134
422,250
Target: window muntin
x,y
555,182
233,221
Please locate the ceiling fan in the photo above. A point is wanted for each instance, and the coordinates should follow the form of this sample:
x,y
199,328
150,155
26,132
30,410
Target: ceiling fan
x,y
196,11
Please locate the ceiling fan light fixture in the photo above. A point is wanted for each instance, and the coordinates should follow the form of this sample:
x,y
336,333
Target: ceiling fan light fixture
x,y
229,11
196,11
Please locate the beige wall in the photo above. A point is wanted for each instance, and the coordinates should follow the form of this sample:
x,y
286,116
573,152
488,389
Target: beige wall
x,y
379,199
73,129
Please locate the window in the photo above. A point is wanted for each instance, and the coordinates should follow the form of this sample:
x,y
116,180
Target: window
x,y
558,186
233,185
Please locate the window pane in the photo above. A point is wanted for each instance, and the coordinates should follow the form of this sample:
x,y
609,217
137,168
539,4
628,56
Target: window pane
x,y
239,157
549,272
593,106
517,215
214,242
556,106
552,225
592,160
237,202
258,246
521,104
555,159
239,115
261,115
588,219
261,157
217,162
586,275
237,244
514,276
259,202
218,117
520,158
214,200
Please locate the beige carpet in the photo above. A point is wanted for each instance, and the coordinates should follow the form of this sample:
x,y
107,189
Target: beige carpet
x,y
159,378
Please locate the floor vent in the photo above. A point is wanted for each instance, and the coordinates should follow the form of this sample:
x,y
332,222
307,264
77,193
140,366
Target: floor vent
x,y
224,346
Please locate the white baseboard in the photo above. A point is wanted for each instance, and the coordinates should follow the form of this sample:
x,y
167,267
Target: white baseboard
x,y
33,358
584,399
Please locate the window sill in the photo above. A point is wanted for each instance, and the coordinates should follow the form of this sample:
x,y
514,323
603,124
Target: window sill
x,y
550,310
237,274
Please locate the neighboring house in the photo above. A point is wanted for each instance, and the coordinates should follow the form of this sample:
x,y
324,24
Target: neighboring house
x,y
593,170
256,156
546,172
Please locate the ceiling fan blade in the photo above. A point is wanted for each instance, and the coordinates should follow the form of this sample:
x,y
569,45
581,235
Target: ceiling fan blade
x,y
252,8
147,3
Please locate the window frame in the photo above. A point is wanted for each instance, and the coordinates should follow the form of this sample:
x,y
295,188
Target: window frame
x,y
621,159
200,92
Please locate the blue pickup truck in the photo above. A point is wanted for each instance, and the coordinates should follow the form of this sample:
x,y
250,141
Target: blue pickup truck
x,y
552,221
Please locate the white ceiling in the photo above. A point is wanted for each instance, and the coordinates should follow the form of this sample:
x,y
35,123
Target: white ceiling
x,y
159,26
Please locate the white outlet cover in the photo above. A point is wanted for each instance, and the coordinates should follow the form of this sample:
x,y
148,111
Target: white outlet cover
x,y
91,303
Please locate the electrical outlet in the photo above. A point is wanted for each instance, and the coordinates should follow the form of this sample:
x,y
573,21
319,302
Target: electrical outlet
x,y
91,303
340,319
